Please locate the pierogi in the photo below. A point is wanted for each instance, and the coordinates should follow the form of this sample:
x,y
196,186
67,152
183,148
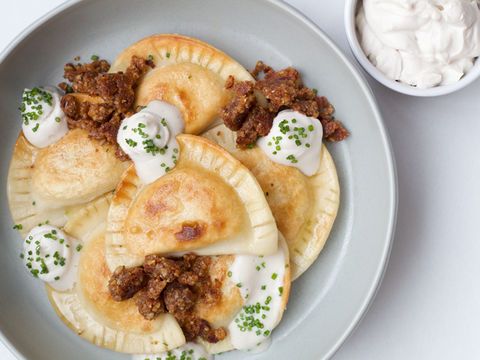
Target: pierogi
x,y
88,308
304,207
154,225
209,203
45,184
188,73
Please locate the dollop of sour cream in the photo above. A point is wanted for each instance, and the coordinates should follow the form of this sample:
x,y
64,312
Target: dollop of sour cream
x,y
294,140
52,256
423,43
43,121
189,351
148,137
261,283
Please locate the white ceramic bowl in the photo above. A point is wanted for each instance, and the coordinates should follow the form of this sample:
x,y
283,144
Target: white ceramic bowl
x,y
352,36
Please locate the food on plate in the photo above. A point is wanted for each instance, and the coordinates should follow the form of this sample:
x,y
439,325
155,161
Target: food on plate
x,y
149,139
97,99
188,73
296,172
211,296
88,308
422,43
208,203
44,184
133,309
304,207
43,121
255,104
65,156
223,194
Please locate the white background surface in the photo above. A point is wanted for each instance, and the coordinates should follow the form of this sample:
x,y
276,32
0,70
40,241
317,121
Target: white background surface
x,y
429,304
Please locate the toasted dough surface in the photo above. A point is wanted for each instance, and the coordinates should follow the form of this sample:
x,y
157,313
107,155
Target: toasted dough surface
x,y
46,184
93,276
167,49
189,74
281,185
304,207
88,308
209,203
189,208
75,170
197,92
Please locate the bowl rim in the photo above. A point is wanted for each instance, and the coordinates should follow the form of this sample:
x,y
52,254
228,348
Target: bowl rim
x,y
359,54
377,279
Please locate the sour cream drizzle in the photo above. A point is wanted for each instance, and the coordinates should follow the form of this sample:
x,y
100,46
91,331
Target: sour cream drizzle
x,y
43,121
261,283
148,137
189,351
424,43
294,140
52,256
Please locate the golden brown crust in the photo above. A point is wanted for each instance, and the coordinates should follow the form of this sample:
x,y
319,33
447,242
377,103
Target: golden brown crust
x,y
89,310
197,92
281,184
46,184
189,196
209,196
189,74
101,100
93,286
75,170
304,207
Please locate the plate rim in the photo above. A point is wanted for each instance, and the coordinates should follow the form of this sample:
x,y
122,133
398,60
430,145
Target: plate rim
x,y
385,139
391,165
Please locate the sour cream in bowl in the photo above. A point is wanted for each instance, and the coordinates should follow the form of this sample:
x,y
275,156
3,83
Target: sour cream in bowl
x,y
416,47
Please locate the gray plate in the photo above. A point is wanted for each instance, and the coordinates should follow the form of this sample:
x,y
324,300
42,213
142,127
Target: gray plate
x,y
329,300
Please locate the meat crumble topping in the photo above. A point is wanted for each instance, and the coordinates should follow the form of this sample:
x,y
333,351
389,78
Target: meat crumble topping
x,y
163,285
124,282
255,104
116,92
